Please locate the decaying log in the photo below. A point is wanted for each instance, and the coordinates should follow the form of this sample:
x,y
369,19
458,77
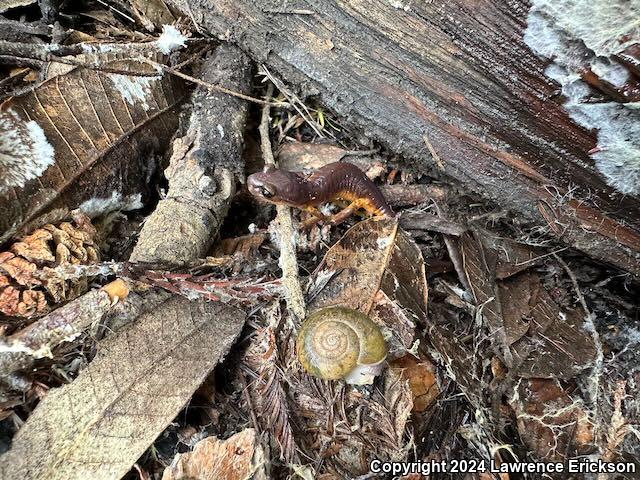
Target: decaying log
x,y
464,86
204,168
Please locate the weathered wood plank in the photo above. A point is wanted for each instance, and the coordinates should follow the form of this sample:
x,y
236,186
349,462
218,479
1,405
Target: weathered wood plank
x,y
458,72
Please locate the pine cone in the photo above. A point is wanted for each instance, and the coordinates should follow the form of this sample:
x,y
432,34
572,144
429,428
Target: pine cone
x,y
27,286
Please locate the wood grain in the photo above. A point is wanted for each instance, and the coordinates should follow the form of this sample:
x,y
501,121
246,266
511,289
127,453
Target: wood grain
x,y
458,72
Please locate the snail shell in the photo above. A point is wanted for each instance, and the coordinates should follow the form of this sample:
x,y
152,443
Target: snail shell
x,y
339,342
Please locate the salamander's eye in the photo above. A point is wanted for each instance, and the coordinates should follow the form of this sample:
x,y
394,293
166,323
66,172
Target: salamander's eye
x,y
265,192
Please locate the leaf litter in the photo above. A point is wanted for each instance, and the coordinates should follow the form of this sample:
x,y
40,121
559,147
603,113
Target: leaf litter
x,y
516,349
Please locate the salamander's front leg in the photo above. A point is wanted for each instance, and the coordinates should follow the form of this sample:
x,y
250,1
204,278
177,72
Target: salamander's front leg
x,y
317,217
343,214
339,217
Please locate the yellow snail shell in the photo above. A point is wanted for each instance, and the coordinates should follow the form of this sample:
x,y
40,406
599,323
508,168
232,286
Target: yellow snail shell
x,y
339,342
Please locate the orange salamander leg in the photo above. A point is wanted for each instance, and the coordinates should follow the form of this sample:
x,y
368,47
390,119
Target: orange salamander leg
x,y
317,217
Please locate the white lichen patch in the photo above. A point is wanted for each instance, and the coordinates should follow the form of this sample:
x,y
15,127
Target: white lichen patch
x,y
605,26
25,152
93,48
383,242
99,206
399,5
585,34
170,39
610,72
135,90
221,130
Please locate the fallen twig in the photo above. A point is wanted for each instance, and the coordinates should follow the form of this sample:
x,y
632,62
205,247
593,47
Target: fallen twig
x,y
288,260
434,154
595,378
205,166
211,86
294,101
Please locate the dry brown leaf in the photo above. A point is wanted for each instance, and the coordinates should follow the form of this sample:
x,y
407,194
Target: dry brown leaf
x,y
298,156
518,296
533,336
82,139
375,268
558,344
245,246
422,380
239,457
100,424
513,257
154,11
479,263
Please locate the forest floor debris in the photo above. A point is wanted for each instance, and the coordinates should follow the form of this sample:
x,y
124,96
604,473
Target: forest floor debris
x,y
158,339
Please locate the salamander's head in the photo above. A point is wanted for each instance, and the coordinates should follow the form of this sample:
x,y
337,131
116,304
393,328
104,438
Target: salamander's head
x,y
277,186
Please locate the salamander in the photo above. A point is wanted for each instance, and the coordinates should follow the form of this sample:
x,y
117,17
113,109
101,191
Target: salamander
x,y
333,182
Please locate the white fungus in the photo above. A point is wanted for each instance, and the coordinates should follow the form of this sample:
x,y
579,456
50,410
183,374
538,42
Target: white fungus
x,y
579,34
25,152
133,89
98,206
171,39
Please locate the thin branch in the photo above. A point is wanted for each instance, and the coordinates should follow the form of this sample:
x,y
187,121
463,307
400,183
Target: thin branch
x,y
294,101
433,153
211,86
288,260
574,282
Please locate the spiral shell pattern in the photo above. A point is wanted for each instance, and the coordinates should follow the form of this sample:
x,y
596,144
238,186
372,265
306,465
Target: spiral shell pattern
x,y
333,341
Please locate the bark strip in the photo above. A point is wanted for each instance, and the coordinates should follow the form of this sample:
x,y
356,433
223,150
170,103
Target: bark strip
x,y
466,81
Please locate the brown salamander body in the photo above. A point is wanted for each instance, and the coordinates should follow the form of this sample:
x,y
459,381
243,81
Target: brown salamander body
x,y
333,182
